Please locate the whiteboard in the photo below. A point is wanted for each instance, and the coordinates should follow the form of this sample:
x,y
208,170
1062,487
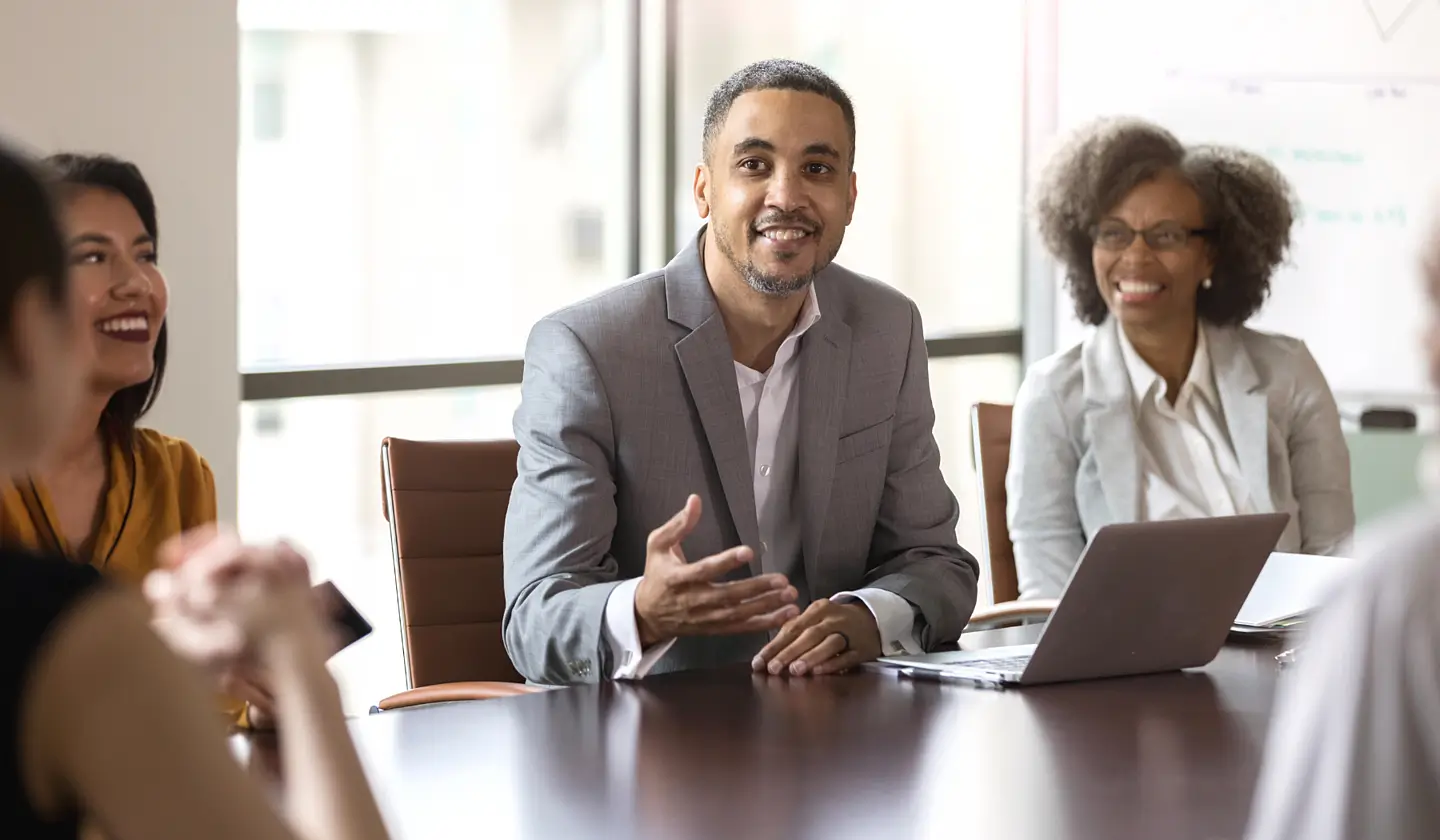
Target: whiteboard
x,y
1344,96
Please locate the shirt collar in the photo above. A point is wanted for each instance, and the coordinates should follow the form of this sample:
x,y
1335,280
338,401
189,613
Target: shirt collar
x,y
1143,378
809,312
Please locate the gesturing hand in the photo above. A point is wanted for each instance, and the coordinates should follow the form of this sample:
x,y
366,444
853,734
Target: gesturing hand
x,y
678,598
825,639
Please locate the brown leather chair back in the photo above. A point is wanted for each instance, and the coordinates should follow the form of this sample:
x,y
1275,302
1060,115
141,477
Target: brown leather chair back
x,y
990,427
446,503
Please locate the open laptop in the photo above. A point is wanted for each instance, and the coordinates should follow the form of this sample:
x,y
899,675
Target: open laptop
x,y
1145,597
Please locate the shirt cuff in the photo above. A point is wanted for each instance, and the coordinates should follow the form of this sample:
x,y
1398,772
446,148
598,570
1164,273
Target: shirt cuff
x,y
622,634
894,615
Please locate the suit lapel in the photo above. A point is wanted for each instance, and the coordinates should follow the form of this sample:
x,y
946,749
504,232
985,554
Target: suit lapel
x,y
824,377
1110,421
709,368
1246,408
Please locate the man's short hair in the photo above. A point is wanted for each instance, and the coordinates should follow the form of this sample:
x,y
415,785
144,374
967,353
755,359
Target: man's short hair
x,y
773,74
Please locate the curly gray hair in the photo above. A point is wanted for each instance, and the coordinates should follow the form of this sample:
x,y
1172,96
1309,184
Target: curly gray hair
x,y
1249,209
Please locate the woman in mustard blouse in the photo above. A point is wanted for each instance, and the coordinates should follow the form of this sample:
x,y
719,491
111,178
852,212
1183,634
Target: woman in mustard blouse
x,y
115,492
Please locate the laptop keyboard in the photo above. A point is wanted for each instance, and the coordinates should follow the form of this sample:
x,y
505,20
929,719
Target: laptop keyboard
x,y
1002,664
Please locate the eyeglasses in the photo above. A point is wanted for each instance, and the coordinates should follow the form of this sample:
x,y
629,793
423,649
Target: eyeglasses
x,y
1167,236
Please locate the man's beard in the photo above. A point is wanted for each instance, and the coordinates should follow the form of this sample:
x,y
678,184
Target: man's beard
x,y
773,285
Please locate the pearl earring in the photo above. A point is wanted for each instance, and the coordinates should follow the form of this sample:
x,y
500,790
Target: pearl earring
x,y
1205,284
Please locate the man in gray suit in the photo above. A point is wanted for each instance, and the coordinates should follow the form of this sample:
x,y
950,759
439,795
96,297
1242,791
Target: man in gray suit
x,y
779,401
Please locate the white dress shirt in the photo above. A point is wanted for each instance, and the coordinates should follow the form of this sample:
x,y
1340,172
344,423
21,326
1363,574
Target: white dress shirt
x,y
1354,746
771,416
1187,461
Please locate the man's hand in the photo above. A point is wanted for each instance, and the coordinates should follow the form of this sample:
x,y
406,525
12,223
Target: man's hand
x,y
825,639
677,598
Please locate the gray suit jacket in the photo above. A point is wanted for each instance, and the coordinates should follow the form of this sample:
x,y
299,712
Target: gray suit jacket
x,y
1074,454
629,404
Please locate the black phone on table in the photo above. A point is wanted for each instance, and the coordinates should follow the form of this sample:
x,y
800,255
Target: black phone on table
x,y
345,621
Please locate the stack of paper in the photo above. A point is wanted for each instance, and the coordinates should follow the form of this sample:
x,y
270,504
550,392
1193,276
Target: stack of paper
x,y
1288,589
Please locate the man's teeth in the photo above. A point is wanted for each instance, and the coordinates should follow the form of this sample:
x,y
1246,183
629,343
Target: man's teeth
x,y
130,324
1135,287
784,234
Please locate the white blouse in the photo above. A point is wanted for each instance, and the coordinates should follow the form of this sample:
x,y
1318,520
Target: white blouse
x,y
1187,461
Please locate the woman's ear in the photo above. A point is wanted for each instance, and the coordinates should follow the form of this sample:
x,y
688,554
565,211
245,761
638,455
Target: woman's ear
x,y
1207,261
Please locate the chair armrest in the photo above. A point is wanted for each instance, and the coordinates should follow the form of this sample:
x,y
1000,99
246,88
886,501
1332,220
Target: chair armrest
x,y
1010,612
452,692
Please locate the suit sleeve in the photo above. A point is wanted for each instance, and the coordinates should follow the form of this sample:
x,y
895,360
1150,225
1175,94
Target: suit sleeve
x,y
559,572
1320,464
914,551
1041,511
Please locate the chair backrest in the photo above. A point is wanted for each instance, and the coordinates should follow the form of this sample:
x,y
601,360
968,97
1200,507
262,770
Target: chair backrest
x,y
990,427
446,503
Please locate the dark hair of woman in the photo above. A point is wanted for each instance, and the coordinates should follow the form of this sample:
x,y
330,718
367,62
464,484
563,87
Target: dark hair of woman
x,y
34,251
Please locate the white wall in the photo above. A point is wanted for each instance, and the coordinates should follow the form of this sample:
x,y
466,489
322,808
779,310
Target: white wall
x,y
154,81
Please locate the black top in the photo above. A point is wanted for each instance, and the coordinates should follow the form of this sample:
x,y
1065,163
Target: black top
x,y
35,593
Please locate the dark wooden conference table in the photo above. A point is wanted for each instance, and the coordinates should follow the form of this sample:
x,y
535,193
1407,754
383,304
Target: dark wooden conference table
x,y
727,754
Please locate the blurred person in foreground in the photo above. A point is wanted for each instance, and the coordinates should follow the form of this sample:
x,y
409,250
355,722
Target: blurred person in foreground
x,y
100,722
1354,746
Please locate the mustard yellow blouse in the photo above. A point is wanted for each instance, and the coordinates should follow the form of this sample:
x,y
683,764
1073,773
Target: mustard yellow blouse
x,y
173,491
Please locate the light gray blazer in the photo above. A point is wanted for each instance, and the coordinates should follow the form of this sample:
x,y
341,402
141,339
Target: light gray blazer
x,y
629,404
1074,452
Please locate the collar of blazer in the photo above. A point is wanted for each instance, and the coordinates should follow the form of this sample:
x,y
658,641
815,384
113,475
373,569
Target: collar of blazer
x,y
1110,413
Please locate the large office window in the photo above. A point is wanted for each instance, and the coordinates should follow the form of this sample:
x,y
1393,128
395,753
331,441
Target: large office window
x,y
421,181
427,185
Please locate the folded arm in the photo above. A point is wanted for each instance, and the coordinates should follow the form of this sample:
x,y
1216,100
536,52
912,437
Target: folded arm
x,y
115,722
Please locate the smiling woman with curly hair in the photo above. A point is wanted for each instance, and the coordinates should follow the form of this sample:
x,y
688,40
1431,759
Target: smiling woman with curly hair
x,y
1171,408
